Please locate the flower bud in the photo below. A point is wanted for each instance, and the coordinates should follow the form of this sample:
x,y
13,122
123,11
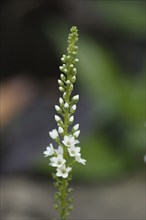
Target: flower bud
x,y
62,77
76,133
57,108
75,98
63,58
76,60
68,82
61,101
71,86
76,127
60,130
73,108
57,118
73,79
66,105
74,70
61,68
61,89
64,95
71,119
60,82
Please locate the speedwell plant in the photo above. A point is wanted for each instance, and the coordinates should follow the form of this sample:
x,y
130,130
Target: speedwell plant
x,y
67,153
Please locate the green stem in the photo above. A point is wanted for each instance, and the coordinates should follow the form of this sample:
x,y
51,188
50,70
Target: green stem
x,y
63,200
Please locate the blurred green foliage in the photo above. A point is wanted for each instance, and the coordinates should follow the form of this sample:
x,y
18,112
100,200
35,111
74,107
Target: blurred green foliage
x,y
129,16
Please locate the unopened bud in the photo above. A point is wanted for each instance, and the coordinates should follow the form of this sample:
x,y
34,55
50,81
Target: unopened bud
x,y
71,119
64,95
60,130
76,133
66,105
76,60
76,127
73,79
61,89
76,98
61,101
68,82
57,108
62,77
57,118
74,70
73,108
60,82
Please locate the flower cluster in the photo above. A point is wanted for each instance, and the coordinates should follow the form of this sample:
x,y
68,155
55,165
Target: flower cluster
x,y
67,153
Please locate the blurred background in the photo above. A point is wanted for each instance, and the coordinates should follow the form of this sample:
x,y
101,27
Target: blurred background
x,y
111,111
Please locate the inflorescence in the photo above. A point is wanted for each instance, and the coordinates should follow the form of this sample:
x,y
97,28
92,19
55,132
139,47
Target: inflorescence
x,y
67,153
65,139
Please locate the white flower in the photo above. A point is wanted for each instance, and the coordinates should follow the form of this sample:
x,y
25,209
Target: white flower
x,y
57,118
63,171
66,105
71,65
71,119
76,60
76,133
76,127
57,161
57,108
74,151
80,160
76,98
49,151
59,150
69,141
53,134
145,158
60,130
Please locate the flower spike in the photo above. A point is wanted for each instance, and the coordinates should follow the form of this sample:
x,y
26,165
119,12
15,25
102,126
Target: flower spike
x,y
67,152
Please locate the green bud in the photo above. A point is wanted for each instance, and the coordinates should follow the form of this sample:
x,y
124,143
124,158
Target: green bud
x,y
73,79
61,89
63,78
